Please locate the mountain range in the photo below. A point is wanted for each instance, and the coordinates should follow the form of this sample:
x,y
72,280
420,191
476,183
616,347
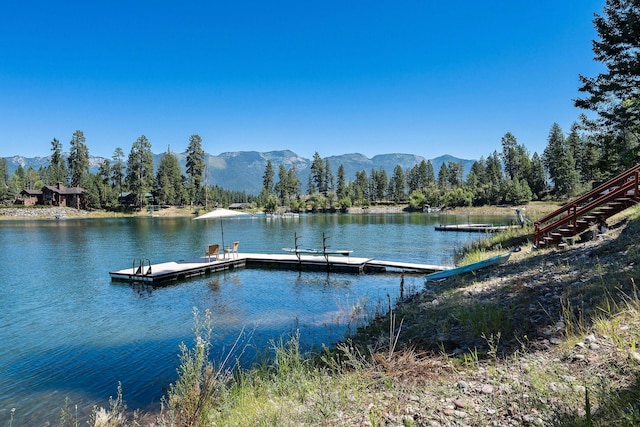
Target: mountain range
x,y
243,170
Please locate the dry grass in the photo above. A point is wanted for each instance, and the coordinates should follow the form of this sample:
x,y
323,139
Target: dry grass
x,y
551,338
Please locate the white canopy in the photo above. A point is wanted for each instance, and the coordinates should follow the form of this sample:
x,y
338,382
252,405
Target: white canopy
x,y
220,213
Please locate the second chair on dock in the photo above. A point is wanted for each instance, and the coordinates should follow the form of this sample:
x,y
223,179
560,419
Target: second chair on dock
x,y
232,249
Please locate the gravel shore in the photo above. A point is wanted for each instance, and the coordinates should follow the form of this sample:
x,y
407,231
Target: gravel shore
x,y
41,213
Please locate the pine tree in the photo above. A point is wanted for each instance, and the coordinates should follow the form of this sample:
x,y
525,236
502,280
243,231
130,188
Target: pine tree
x,y
267,178
560,163
195,168
78,159
57,169
341,191
510,154
317,173
117,170
140,176
613,94
4,178
282,187
168,185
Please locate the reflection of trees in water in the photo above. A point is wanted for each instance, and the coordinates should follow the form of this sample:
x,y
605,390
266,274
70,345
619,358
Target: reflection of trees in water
x,y
214,284
316,279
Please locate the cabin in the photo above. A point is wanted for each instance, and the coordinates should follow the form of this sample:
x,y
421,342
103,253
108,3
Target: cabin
x,y
239,206
29,197
130,199
54,195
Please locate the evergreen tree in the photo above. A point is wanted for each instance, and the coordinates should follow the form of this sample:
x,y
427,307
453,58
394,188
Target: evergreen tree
x,y
476,181
32,179
140,178
397,184
510,155
267,178
195,168
538,177
413,179
168,185
18,181
341,191
613,94
443,174
523,162
318,174
4,179
423,174
107,196
282,187
57,169
455,172
117,170
361,188
78,159
329,182
560,163
430,174
293,182
378,184
589,161
494,179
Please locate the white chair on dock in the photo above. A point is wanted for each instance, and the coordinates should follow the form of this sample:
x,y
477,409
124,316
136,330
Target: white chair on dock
x,y
232,249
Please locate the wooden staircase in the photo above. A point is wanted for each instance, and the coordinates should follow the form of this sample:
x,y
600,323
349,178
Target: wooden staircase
x,y
588,210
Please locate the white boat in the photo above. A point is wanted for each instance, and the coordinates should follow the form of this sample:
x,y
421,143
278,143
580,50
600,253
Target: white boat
x,y
310,251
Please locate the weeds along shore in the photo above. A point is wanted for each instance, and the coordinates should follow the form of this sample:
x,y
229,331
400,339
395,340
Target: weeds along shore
x,y
550,338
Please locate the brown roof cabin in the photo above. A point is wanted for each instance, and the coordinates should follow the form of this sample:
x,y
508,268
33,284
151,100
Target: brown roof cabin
x,y
55,195
29,197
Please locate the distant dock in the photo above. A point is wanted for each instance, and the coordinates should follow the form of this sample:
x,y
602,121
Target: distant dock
x,y
475,228
142,271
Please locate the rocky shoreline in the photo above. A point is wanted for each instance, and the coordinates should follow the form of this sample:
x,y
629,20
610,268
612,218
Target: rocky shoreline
x,y
41,213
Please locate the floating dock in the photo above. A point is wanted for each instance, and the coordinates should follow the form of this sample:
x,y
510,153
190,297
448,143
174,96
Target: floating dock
x,y
475,228
142,271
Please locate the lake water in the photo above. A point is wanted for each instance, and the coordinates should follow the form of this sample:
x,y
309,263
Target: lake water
x,y
68,331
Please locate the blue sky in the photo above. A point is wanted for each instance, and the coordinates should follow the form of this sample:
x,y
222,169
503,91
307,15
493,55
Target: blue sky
x,y
375,77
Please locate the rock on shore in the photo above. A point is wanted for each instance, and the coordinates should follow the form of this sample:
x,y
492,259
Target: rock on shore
x,y
48,212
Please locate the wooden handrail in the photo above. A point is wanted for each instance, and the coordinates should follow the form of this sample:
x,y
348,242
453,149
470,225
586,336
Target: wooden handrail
x,y
602,187
617,186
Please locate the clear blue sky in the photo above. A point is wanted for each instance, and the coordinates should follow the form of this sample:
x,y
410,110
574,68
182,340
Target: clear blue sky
x,y
336,77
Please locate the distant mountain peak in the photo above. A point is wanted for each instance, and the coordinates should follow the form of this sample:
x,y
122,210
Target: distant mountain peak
x,y
243,170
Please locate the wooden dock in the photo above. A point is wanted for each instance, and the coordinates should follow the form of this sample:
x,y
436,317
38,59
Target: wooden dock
x,y
475,228
143,271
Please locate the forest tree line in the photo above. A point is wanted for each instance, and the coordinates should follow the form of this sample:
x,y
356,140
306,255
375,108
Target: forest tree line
x,y
597,147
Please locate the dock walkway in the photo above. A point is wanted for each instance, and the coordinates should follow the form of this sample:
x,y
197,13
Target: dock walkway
x,y
475,228
182,269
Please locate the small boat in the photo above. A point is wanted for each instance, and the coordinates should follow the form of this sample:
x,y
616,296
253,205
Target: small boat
x,y
309,251
495,260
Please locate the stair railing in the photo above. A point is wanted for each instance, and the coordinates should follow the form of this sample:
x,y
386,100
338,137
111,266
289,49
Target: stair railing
x,y
617,186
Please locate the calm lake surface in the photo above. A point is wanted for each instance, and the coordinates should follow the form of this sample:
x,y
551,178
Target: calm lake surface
x,y
68,331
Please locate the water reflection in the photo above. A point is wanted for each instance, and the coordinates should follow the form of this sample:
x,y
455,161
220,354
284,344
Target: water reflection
x,y
68,331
